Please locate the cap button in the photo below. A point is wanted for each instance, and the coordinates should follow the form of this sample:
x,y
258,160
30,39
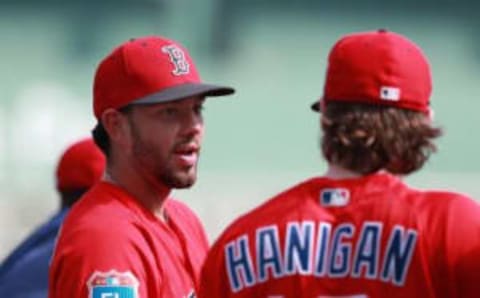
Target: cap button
x,y
382,30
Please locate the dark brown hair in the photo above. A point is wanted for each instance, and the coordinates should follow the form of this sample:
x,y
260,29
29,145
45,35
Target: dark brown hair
x,y
100,135
367,138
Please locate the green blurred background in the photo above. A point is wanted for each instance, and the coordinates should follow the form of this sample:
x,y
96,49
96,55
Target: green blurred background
x,y
259,141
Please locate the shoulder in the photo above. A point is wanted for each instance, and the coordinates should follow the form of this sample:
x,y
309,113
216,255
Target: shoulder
x,y
239,234
102,209
28,274
450,220
99,244
274,211
461,211
102,219
32,249
106,242
81,230
446,203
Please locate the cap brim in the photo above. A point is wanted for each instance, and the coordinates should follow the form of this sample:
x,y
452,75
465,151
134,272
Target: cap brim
x,y
316,107
183,91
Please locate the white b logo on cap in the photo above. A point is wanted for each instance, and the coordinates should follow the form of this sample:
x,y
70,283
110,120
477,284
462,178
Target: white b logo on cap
x,y
177,57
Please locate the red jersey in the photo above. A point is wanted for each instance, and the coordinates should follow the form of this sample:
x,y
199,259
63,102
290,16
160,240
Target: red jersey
x,y
112,247
367,237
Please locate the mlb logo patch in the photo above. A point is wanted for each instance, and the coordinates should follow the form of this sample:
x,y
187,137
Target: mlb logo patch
x,y
334,197
390,93
112,284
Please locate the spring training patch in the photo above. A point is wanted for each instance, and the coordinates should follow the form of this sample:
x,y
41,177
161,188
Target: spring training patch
x,y
112,284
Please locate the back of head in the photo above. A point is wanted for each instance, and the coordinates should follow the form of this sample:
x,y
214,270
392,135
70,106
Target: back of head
x,y
79,168
376,104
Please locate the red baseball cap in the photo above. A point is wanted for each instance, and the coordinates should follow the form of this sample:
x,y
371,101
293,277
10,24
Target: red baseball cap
x,y
148,70
379,68
80,166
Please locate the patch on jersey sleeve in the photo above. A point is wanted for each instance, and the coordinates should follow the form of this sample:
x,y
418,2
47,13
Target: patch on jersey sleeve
x,y
112,284
334,197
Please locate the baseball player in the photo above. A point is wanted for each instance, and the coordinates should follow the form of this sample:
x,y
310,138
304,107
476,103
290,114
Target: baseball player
x,y
358,230
128,238
24,273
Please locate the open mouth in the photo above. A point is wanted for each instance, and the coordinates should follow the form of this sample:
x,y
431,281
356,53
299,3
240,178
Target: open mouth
x,y
187,155
187,149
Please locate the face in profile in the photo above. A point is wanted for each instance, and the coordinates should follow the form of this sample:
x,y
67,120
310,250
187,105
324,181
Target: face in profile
x,y
166,140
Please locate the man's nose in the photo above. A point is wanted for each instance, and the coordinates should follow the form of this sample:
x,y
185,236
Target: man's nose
x,y
193,123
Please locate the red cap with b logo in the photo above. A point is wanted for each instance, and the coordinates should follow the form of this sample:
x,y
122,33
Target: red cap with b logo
x,y
148,70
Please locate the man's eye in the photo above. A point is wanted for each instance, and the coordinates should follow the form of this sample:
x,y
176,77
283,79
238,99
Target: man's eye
x,y
170,111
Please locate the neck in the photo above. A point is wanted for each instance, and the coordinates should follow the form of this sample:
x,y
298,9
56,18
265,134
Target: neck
x,y
337,172
149,194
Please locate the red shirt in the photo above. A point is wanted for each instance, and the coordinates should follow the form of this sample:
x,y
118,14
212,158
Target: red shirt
x,y
110,246
367,237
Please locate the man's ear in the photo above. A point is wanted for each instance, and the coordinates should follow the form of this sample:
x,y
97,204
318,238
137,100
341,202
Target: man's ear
x,y
116,125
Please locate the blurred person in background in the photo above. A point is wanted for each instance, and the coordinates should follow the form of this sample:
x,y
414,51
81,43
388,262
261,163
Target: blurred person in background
x,y
359,230
24,273
128,237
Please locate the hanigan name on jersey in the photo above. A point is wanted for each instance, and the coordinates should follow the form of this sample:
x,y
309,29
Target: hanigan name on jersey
x,y
314,248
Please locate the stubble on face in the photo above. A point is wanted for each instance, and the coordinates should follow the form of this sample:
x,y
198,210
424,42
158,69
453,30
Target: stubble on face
x,y
160,165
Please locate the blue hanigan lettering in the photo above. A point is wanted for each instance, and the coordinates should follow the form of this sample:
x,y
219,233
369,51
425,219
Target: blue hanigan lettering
x,y
239,263
321,250
341,251
299,247
367,250
268,252
398,255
